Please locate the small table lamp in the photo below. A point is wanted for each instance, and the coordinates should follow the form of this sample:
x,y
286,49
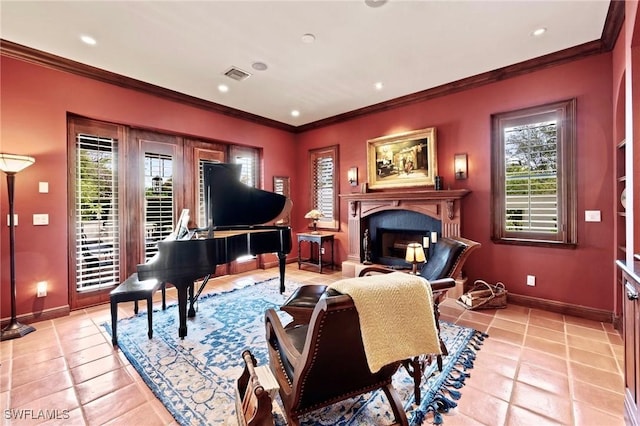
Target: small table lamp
x,y
415,254
315,215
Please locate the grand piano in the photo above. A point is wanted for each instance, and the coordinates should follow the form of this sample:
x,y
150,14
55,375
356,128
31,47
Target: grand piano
x,y
236,217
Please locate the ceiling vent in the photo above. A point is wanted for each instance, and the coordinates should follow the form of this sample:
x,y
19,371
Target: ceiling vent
x,y
237,74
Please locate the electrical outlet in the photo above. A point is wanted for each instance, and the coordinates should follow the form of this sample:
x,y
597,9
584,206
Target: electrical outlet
x,y
531,280
41,289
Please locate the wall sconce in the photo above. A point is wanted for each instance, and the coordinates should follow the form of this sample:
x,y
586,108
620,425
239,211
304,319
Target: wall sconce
x,y
415,254
156,185
460,165
352,176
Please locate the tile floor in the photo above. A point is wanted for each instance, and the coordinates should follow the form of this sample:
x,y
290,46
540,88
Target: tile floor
x,y
536,368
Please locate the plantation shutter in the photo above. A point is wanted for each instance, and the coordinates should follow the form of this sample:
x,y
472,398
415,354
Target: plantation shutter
x,y
249,172
158,197
324,185
323,172
531,178
281,186
97,218
249,159
201,203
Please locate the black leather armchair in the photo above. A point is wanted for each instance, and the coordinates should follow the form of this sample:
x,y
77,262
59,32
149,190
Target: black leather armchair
x,y
446,261
444,265
324,362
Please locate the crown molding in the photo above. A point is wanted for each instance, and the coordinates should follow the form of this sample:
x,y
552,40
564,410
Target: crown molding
x,y
611,30
48,60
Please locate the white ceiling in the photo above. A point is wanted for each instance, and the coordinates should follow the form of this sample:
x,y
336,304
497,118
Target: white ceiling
x,y
410,46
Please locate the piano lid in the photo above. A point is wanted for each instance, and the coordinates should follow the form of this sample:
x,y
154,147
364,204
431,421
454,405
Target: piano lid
x,y
230,202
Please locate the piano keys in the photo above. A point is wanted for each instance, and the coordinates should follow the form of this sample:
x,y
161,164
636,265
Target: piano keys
x,y
236,215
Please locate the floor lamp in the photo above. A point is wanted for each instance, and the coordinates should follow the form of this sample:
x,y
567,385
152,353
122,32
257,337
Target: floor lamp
x,y
12,164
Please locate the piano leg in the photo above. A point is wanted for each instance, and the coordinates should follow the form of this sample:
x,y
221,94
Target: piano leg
x,y
192,311
182,289
282,260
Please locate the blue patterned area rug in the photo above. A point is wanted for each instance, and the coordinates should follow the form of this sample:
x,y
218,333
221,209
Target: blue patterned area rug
x,y
195,377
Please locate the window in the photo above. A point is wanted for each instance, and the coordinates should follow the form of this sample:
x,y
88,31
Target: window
x,y
158,200
250,160
324,185
249,174
533,175
97,221
281,186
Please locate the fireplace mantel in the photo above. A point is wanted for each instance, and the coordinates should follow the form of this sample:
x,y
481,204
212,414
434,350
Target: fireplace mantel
x,y
441,205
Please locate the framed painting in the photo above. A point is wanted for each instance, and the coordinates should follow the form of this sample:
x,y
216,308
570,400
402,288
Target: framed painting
x,y
402,160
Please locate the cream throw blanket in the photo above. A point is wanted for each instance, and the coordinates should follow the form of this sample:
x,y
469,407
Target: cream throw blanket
x,y
396,316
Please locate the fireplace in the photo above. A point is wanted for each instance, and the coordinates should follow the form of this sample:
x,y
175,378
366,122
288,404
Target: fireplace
x,y
395,218
391,231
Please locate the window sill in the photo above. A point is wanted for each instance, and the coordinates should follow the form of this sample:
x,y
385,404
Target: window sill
x,y
535,243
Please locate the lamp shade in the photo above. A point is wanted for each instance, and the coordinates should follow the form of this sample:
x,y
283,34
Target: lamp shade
x,y
12,163
415,253
460,166
313,214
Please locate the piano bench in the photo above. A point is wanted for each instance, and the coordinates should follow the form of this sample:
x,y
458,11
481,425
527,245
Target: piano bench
x,y
132,290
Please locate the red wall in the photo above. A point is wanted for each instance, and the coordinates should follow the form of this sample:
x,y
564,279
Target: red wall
x,y
582,276
35,102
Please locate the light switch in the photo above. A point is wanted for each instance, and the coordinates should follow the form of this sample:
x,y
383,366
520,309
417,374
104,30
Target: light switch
x,y
41,219
15,220
43,187
592,215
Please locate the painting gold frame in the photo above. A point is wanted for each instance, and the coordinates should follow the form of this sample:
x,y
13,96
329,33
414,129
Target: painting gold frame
x,y
403,160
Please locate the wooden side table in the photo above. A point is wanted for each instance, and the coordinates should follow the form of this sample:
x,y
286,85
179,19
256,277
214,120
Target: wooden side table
x,y
317,250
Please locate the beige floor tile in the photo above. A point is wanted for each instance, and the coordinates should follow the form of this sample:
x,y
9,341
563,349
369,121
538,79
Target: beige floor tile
x,y
590,415
547,404
603,399
592,359
544,345
601,347
508,336
114,404
543,378
610,380
536,368
544,360
546,333
480,406
518,416
545,322
587,332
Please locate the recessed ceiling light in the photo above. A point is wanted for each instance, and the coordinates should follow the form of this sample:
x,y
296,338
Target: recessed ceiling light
x,y
88,40
295,113
223,88
378,85
375,3
259,66
308,38
538,32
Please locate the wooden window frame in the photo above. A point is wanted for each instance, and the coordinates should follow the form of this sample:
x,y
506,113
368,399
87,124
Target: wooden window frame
x,y
565,113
